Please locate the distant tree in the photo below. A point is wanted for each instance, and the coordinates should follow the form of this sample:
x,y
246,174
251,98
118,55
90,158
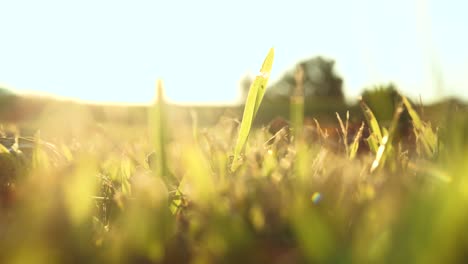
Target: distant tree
x,y
382,99
5,92
7,98
319,80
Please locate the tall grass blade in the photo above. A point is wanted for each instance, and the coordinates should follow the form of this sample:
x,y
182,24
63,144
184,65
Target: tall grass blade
x,y
385,146
355,145
262,82
158,131
378,161
254,98
297,105
344,132
423,132
418,124
376,134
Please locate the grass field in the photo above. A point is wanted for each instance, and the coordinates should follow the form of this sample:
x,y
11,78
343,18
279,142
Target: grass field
x,y
179,193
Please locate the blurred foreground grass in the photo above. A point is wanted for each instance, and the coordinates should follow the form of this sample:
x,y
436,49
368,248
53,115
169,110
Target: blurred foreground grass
x,y
370,192
94,199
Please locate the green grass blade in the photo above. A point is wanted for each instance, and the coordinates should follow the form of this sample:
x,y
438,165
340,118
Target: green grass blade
x,y
297,119
376,134
297,106
3,149
424,133
395,122
252,104
262,82
371,120
418,124
355,145
344,132
379,157
158,130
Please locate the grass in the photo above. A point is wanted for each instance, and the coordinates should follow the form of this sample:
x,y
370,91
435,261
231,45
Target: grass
x,y
92,197
252,104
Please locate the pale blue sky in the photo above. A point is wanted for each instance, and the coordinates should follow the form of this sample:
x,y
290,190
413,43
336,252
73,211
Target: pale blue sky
x,y
115,50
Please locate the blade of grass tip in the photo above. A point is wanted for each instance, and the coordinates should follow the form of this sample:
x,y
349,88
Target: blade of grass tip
x,y
371,120
252,104
265,73
422,131
413,114
158,127
393,130
301,163
297,106
355,145
344,133
395,120
375,139
323,135
347,120
386,146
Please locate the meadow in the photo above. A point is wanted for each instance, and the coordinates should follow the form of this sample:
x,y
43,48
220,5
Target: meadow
x,y
366,191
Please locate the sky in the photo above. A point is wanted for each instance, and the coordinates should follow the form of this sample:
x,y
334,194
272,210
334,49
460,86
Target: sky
x,y
114,51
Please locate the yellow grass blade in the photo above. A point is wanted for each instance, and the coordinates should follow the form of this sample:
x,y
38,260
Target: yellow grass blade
x,y
262,82
376,134
424,133
158,131
254,98
355,146
344,132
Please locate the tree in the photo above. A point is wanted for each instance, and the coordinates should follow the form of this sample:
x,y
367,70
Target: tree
x,y
382,99
320,80
7,98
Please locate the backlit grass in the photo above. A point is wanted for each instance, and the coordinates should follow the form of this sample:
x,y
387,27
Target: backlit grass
x,y
151,194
